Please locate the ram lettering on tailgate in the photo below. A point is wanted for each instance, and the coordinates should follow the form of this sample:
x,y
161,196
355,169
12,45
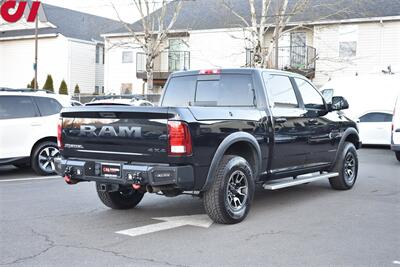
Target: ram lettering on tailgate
x,y
120,131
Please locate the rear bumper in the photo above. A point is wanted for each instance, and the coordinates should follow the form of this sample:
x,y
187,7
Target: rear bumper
x,y
181,177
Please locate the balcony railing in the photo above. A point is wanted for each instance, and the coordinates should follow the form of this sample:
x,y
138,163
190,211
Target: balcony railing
x,y
295,58
166,63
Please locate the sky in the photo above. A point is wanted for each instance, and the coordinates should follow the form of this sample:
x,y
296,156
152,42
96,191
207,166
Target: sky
x,y
126,8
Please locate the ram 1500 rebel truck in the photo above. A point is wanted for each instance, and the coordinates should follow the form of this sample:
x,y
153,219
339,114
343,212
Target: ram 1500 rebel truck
x,y
216,134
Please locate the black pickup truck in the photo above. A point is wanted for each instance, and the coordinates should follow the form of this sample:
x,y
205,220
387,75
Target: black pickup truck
x,y
216,134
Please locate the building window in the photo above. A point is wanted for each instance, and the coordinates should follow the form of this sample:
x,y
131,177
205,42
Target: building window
x,y
348,36
126,89
99,54
127,57
178,55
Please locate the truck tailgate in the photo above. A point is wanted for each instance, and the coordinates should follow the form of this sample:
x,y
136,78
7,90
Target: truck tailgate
x,y
125,133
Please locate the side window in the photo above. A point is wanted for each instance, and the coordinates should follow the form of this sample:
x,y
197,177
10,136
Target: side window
x,y
311,98
376,117
280,91
15,107
48,106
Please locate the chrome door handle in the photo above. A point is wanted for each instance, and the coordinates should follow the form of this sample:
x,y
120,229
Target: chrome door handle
x,y
280,120
312,121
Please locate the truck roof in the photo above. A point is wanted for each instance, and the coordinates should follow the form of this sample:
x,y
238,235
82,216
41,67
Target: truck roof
x,y
236,71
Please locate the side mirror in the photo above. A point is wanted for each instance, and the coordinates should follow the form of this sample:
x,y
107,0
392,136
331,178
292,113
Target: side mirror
x,y
338,103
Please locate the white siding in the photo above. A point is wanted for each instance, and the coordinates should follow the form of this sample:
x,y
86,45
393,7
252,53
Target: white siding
x,y
217,49
378,46
117,73
82,67
17,58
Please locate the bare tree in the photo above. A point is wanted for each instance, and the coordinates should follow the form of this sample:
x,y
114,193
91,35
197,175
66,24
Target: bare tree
x,y
154,31
258,26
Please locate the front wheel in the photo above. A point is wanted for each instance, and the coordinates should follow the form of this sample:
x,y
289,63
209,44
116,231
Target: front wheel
x,y
398,155
347,167
229,198
124,198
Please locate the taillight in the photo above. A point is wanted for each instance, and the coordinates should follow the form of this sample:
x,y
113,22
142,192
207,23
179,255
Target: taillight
x,y
180,142
210,72
59,134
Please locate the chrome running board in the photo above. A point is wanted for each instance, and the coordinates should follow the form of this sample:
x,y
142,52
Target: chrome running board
x,y
283,183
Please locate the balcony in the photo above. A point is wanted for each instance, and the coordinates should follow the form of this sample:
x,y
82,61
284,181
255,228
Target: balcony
x,y
166,63
299,59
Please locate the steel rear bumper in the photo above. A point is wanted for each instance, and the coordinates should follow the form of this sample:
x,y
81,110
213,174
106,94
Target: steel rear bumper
x,y
181,177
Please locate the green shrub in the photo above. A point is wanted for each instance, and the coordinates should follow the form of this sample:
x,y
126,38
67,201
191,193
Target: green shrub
x,y
63,88
48,85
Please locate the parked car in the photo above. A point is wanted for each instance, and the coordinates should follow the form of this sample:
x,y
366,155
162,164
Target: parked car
x,y
396,129
28,123
375,127
364,92
75,103
216,134
121,102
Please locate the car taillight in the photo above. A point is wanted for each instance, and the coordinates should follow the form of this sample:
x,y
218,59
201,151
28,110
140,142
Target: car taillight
x,y
59,134
179,139
210,72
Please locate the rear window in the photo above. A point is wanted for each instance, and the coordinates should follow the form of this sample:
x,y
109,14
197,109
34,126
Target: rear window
x,y
15,107
214,90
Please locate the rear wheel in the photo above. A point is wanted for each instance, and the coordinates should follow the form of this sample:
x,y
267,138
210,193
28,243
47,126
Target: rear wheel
x,y
229,198
398,155
43,156
124,198
347,167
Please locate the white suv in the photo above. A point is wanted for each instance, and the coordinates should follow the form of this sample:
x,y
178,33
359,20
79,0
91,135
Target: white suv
x,y
396,129
28,128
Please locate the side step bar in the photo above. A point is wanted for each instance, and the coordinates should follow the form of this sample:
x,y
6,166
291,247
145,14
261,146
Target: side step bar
x,y
283,183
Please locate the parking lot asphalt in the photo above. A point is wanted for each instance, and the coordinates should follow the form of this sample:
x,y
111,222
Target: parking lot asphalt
x,y
44,222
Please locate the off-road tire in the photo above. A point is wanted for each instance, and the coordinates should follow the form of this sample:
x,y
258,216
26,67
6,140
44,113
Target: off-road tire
x,y
343,181
215,199
35,157
120,200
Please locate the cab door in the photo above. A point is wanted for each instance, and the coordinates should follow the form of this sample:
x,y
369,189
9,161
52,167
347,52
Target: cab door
x,y
322,128
289,141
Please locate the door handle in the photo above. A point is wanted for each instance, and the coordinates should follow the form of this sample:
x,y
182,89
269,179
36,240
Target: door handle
x,y
313,121
36,124
280,120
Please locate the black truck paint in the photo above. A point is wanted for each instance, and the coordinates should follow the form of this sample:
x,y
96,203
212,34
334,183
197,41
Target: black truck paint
x,y
276,141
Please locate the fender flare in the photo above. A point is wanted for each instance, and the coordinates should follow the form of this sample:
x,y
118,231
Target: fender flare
x,y
223,147
346,133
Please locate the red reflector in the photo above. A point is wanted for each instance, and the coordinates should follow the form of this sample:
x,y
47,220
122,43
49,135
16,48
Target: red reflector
x,y
210,72
59,134
179,139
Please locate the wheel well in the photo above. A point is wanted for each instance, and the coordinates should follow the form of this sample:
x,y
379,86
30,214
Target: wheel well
x,y
245,150
353,138
46,139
